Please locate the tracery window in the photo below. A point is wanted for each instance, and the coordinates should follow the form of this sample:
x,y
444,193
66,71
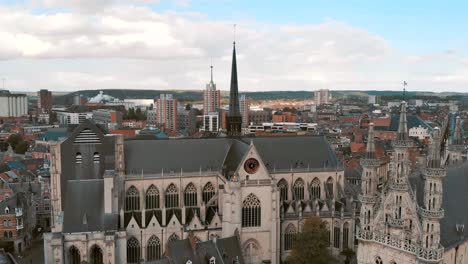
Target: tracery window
x,y
172,196
152,198
173,237
315,189
336,235
208,192
153,249
251,253
251,211
132,199
378,260
298,189
289,237
133,250
190,195
283,189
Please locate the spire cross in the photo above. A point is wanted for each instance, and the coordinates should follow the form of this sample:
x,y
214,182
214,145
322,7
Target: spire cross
x,y
234,32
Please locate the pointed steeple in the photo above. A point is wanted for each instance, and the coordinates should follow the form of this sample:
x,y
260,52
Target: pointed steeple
x,y
234,118
433,157
234,92
370,152
457,135
211,85
403,124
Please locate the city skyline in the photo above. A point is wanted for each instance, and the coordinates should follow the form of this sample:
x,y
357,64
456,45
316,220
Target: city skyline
x,y
166,45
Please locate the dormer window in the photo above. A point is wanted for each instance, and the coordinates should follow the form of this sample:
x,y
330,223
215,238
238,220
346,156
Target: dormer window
x,y
212,260
7,210
96,158
188,262
78,158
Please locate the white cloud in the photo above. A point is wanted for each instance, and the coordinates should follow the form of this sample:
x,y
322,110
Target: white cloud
x,y
128,45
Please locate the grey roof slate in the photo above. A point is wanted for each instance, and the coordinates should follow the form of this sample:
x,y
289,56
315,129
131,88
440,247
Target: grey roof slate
x,y
84,208
413,121
454,203
224,154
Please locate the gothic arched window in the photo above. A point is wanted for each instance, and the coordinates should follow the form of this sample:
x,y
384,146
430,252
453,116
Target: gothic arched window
x,y
132,199
173,238
289,237
315,189
172,196
251,253
96,255
190,195
298,189
153,249
345,235
133,250
251,211
378,260
74,256
208,192
152,198
283,189
329,188
336,235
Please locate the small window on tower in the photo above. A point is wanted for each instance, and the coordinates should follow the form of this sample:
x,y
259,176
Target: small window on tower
x,y
78,158
96,157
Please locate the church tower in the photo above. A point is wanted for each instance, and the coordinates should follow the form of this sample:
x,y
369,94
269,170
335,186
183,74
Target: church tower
x,y
369,195
432,212
455,149
234,118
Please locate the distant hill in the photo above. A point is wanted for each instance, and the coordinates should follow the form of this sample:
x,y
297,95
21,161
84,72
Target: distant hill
x,y
197,95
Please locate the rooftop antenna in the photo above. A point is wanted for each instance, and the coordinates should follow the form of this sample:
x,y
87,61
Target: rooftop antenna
x,y
211,67
404,89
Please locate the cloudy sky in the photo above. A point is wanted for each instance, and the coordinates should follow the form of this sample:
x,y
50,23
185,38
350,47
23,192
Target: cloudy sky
x,y
66,45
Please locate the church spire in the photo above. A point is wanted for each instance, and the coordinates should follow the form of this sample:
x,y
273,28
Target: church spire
x,y
403,124
234,118
433,159
370,152
457,135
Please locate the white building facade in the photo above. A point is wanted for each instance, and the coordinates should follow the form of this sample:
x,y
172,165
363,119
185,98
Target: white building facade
x,y
13,105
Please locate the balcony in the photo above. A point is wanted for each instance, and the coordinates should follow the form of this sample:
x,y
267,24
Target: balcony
x,y
398,186
424,254
435,172
432,214
370,162
398,223
368,199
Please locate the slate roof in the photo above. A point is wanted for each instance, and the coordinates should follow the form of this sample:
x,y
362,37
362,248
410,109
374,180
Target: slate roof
x,y
455,195
413,121
224,154
84,208
225,250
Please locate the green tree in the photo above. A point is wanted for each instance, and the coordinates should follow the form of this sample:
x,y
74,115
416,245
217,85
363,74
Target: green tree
x,y
14,140
311,245
53,118
188,107
22,147
348,254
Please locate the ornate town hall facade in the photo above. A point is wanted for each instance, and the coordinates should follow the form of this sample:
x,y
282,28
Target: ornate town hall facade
x,y
117,201
415,216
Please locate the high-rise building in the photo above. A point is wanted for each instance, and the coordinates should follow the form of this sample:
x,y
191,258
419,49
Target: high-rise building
x,y
211,122
211,97
244,105
234,118
322,96
166,112
111,119
13,105
44,101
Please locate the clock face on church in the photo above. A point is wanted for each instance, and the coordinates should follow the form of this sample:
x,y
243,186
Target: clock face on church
x,y
251,165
